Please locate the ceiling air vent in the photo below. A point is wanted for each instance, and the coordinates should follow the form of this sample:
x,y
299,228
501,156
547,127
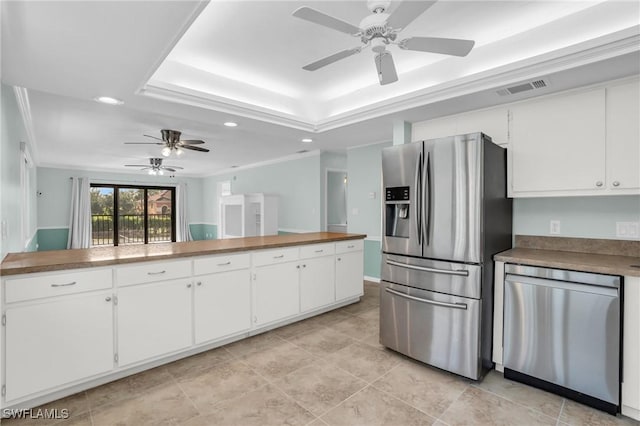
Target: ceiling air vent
x,y
530,85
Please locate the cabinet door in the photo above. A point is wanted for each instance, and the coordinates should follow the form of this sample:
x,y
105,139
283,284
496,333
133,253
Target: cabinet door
x,y
276,292
57,342
623,137
558,144
222,305
153,320
317,282
349,275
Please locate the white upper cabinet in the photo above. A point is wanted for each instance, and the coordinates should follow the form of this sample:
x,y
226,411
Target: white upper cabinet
x,y
492,122
558,144
623,138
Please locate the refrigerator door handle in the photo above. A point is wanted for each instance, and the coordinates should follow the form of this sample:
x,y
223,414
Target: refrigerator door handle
x,y
426,193
418,199
430,302
461,272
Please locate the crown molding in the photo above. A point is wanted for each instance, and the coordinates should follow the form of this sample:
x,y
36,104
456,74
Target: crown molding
x,y
598,49
22,97
292,157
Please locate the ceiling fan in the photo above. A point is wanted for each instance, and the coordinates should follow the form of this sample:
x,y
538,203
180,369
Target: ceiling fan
x,y
155,167
380,29
171,141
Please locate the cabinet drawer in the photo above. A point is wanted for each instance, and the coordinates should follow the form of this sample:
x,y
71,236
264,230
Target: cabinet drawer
x,y
317,250
213,264
351,245
49,285
153,271
269,257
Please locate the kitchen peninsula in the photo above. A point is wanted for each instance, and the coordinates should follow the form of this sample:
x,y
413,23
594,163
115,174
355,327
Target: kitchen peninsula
x,y
74,319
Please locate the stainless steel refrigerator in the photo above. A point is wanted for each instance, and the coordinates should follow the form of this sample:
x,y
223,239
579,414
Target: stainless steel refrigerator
x,y
445,214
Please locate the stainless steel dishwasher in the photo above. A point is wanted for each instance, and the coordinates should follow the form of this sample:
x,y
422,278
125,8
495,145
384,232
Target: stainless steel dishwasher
x,y
562,333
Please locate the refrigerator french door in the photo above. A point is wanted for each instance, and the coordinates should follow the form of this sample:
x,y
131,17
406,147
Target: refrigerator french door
x,y
445,214
433,198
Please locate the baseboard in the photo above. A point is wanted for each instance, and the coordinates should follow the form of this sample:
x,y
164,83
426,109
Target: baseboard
x,y
372,279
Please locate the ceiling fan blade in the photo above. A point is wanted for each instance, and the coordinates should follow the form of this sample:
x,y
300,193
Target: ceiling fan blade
x,y
406,12
191,142
331,59
136,165
317,17
194,148
386,68
446,46
153,137
172,168
144,143
168,169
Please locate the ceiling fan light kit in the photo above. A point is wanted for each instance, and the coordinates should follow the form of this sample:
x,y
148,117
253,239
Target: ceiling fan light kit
x,y
379,30
155,167
171,142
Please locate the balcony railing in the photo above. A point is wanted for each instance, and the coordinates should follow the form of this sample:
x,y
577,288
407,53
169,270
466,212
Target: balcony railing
x,y
130,229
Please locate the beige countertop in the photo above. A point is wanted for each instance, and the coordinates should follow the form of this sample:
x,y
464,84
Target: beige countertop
x,y
600,256
55,260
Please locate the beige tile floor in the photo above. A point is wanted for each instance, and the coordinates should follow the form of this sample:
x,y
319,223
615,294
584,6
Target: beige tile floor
x,y
327,370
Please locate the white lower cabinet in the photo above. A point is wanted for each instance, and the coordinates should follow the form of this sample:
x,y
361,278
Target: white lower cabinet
x,y
153,320
317,282
349,267
222,305
276,292
60,341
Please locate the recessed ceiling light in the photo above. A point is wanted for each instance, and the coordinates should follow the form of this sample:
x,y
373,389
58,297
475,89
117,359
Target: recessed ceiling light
x,y
307,140
231,124
109,100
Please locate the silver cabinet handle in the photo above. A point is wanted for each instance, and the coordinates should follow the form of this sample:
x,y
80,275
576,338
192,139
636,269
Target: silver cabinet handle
x,y
319,251
64,285
297,266
616,183
339,259
107,299
599,183
351,246
304,266
278,257
156,273
461,272
430,302
189,285
225,263
199,283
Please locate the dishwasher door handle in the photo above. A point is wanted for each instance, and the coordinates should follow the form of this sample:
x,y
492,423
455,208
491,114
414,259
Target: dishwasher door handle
x,y
461,272
562,285
430,302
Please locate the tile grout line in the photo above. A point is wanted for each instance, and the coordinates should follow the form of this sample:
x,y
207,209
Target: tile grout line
x,y
512,401
564,400
452,403
346,399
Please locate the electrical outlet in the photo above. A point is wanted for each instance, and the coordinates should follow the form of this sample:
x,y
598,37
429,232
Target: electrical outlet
x,y
554,227
372,195
628,230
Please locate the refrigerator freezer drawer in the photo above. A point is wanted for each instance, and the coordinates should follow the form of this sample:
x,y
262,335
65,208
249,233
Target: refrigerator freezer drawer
x,y
437,329
458,279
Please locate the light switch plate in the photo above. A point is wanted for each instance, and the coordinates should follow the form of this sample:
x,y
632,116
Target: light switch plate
x,y
554,227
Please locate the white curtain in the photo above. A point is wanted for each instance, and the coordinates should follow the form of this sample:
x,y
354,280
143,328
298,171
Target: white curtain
x,y
182,226
80,219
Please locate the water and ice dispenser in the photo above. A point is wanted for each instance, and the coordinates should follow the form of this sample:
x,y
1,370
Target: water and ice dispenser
x,y
397,212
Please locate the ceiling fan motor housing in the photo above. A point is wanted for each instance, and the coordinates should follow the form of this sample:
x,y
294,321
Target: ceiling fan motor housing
x,y
377,6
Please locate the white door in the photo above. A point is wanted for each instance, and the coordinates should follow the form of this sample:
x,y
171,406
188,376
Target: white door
x,y
222,304
54,343
349,275
623,136
276,292
153,320
317,282
557,143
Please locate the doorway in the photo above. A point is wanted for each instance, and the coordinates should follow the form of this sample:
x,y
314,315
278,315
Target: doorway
x,y
336,201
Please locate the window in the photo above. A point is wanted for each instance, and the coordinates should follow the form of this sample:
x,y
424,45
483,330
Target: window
x,y
124,214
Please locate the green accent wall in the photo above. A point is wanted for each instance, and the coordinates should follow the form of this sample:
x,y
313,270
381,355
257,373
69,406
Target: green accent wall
x,y
203,231
372,258
52,239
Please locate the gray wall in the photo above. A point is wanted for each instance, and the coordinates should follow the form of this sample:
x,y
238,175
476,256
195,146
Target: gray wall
x,y
336,198
296,182
329,161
